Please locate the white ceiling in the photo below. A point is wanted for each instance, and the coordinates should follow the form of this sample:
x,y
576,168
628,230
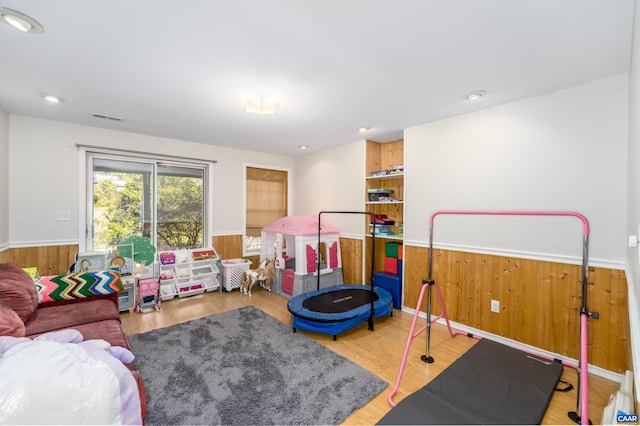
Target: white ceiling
x,y
182,69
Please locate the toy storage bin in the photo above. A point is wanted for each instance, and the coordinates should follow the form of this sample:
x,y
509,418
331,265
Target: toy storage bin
x,y
232,270
168,291
183,272
190,288
211,283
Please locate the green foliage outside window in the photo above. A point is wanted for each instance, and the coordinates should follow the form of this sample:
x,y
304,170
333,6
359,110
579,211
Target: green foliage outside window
x,y
119,210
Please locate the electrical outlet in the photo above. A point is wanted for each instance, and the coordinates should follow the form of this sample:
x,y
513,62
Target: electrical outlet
x,y
495,306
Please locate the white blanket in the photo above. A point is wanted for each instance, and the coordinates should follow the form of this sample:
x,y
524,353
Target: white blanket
x,y
59,379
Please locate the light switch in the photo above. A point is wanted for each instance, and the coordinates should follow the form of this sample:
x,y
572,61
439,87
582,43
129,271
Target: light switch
x,y
64,216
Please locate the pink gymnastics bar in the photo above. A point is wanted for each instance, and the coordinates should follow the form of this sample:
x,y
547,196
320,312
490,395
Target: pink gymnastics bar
x,y
585,222
583,365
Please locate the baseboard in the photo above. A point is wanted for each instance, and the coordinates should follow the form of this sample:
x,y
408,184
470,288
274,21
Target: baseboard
x,y
598,371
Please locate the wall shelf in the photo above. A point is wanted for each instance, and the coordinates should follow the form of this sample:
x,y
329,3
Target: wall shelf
x,y
391,176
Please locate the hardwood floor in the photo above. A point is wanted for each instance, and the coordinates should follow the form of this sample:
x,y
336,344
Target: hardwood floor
x,y
379,351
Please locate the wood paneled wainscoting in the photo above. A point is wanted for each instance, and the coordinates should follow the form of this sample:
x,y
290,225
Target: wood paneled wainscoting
x,y
539,301
54,260
351,253
50,260
230,247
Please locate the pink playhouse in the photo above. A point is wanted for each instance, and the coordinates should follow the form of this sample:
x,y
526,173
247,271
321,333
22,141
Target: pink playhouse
x,y
292,242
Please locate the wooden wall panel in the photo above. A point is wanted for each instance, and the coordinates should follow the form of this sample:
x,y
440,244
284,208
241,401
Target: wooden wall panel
x,y
50,260
374,158
228,246
392,153
5,256
54,260
351,253
539,301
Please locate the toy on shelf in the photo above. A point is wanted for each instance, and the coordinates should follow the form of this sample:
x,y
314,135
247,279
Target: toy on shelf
x,y
167,258
382,225
204,254
380,195
120,258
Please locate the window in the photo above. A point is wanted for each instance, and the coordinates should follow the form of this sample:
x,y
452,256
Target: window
x,y
267,199
164,201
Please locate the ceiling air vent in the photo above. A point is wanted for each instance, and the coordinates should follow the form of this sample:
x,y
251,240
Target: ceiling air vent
x,y
107,117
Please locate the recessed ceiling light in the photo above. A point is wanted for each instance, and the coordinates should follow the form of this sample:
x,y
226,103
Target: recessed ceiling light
x,y
476,94
261,105
362,129
303,146
20,21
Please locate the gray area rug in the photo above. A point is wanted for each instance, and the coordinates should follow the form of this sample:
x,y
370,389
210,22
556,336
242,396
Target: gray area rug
x,y
244,367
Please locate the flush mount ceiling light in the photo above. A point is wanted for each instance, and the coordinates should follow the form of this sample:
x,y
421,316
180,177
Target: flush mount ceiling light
x,y
20,21
476,94
261,105
362,129
303,146
51,98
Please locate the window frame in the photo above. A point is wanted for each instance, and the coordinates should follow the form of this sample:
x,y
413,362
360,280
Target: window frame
x,y
86,156
289,171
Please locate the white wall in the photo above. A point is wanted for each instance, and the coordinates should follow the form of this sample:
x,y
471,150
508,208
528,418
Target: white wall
x,y
44,170
4,179
562,151
333,180
633,205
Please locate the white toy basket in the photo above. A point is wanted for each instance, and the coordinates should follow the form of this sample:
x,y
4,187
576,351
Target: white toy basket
x,y
232,270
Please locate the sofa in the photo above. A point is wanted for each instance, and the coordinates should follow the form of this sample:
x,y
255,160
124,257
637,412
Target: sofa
x,y
53,305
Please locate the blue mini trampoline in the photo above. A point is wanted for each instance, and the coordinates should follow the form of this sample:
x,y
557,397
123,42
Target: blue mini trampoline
x,y
335,309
